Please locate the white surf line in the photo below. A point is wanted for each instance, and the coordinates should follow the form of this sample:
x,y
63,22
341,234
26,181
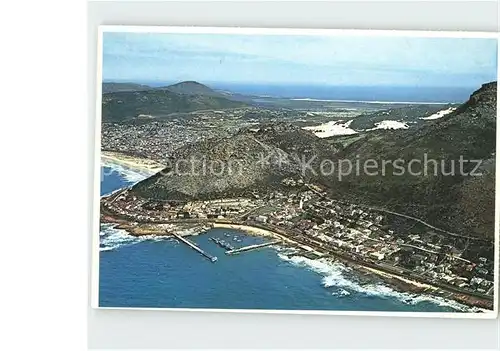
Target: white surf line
x,y
112,238
333,277
130,174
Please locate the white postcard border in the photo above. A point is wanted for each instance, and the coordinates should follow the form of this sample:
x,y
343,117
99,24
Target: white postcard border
x,y
281,31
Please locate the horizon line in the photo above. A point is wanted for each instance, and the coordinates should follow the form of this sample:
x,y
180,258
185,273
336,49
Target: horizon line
x,y
208,83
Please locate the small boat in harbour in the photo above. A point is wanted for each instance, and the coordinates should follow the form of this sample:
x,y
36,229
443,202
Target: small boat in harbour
x,y
222,243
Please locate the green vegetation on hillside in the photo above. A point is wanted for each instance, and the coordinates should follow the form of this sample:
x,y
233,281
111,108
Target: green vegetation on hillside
x,y
157,103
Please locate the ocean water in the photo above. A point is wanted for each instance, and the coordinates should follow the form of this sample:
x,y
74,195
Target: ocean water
x,y
162,272
355,93
452,94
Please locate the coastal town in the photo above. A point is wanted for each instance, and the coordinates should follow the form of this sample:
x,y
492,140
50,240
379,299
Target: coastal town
x,y
322,227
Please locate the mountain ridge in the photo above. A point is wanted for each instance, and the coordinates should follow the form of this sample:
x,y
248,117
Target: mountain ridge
x,y
255,163
191,87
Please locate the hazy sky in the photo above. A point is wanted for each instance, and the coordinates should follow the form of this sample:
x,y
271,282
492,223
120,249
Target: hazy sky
x,y
356,61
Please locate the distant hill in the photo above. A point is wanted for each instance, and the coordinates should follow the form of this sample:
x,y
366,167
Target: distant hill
x,y
192,88
196,88
110,87
157,103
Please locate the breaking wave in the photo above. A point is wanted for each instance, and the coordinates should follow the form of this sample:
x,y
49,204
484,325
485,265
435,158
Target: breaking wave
x,y
112,238
336,275
341,292
129,174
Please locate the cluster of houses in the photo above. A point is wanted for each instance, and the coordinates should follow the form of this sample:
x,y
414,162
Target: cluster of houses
x,y
155,140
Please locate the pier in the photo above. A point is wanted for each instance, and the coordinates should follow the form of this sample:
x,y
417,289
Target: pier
x,y
195,247
252,247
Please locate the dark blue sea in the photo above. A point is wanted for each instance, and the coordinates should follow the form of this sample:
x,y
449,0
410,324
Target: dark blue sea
x,y
161,272
354,93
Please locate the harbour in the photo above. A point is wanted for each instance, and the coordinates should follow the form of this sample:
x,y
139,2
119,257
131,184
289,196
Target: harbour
x,y
228,247
195,247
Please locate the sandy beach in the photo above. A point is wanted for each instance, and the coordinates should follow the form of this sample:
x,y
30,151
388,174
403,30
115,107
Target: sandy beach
x,y
133,162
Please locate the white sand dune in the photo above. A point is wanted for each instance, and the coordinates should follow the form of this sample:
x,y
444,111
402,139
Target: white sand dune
x,y
332,128
388,124
439,114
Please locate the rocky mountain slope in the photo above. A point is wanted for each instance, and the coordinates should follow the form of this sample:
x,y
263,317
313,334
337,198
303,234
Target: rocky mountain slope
x,y
461,203
252,161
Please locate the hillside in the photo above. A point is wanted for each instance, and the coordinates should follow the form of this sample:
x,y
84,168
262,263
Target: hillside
x,y
460,203
192,88
255,162
157,103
